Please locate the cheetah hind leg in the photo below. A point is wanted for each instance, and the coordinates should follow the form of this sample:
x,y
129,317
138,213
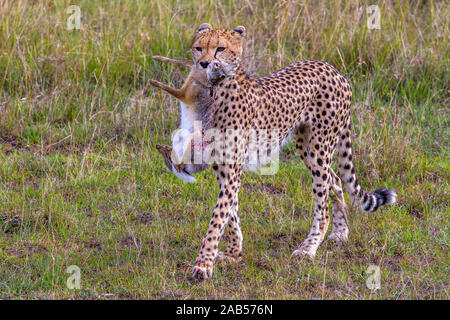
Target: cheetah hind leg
x,y
233,235
339,233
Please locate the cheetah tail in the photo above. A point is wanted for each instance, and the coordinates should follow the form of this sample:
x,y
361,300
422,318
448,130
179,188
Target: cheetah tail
x,y
366,201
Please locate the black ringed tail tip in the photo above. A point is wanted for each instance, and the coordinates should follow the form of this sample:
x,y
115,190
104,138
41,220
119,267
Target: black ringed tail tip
x,y
378,198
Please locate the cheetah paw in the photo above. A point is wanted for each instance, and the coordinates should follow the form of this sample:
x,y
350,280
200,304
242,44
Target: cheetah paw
x,y
339,237
303,253
202,271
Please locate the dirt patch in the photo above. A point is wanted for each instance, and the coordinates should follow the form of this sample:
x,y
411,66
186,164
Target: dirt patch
x,y
93,244
279,241
26,248
145,218
9,138
416,212
187,213
9,142
300,213
10,224
64,148
393,263
151,244
128,242
263,264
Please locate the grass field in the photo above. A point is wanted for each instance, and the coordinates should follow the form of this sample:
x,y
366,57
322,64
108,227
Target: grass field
x,y
82,184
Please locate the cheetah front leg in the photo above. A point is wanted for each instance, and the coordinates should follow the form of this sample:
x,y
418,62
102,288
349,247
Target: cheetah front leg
x,y
230,179
320,224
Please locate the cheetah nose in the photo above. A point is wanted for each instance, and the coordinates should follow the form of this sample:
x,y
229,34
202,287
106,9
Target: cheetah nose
x,y
204,64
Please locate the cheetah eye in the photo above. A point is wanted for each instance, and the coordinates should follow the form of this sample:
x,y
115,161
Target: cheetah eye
x,y
199,49
220,49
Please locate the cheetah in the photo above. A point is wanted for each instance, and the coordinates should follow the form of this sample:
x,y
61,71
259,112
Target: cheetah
x,y
308,100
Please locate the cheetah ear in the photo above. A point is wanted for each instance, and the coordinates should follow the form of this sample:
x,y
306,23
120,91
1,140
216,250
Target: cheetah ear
x,y
203,27
240,30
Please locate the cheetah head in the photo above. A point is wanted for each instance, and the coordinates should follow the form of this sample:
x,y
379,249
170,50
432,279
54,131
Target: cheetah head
x,y
222,47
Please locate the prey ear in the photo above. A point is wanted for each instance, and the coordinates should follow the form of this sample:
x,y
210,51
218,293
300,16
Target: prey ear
x,y
240,30
203,27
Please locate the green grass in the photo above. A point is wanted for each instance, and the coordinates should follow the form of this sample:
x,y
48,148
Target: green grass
x,y
82,184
